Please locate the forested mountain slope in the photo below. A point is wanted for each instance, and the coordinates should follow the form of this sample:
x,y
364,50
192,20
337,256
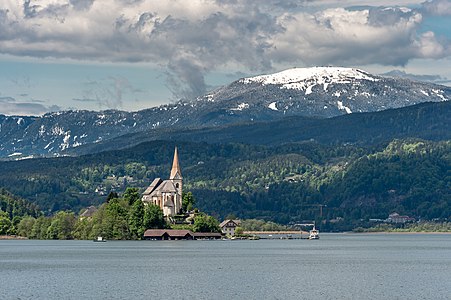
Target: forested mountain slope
x,y
429,121
282,183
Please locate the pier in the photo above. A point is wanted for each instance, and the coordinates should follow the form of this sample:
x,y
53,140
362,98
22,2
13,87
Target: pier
x,y
276,232
282,235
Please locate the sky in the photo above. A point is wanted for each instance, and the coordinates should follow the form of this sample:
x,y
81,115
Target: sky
x,y
135,54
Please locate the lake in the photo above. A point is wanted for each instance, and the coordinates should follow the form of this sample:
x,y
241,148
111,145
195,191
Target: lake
x,y
338,266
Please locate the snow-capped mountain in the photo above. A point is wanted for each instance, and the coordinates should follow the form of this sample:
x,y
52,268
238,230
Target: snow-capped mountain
x,y
325,92
313,92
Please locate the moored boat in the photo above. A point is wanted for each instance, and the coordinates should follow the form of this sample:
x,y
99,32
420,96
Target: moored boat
x,y
100,239
313,234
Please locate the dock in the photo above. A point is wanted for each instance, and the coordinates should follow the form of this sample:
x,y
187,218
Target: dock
x,y
282,235
277,232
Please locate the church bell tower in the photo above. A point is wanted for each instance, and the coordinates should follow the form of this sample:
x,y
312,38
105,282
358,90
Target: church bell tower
x,y
177,179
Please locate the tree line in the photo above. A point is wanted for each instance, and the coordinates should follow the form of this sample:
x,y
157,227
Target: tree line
x,y
122,217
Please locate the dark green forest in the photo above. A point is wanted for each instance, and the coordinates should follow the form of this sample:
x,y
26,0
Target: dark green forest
x,y
12,210
342,186
14,206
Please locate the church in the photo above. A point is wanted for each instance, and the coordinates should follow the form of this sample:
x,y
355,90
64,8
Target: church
x,y
167,194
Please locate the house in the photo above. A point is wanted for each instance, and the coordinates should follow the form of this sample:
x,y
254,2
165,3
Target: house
x,y
88,213
229,226
167,194
398,219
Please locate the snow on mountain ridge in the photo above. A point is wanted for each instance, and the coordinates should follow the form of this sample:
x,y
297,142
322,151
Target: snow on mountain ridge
x,y
305,78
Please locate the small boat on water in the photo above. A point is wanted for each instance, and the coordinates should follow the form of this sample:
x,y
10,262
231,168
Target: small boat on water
x,y
100,239
313,234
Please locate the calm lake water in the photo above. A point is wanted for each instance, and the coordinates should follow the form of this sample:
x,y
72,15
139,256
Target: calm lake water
x,y
338,266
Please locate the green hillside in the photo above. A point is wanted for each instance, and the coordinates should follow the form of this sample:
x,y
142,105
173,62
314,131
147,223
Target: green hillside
x,y
16,207
285,183
12,210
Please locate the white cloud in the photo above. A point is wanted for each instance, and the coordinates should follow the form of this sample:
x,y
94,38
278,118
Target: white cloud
x,y
429,47
341,36
437,7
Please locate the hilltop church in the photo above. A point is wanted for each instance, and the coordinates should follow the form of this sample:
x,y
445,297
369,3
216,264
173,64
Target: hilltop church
x,y
167,194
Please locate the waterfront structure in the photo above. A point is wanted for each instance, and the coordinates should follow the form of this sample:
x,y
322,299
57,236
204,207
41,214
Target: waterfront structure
x,y
229,226
167,194
398,219
174,234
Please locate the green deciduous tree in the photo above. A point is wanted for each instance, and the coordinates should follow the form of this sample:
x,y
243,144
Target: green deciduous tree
x,y
83,229
115,222
136,220
131,195
111,196
39,229
61,226
206,223
188,201
5,223
153,217
25,226
239,231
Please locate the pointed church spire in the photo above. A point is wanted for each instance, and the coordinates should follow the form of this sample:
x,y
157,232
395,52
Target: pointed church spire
x,y
176,167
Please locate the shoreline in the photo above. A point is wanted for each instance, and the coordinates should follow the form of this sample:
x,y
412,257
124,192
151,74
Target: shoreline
x,y
12,237
400,232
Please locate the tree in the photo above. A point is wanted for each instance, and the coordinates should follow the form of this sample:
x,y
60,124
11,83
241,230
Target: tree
x,y
99,227
136,220
25,226
83,229
115,221
231,216
153,217
5,223
111,196
206,223
188,201
239,231
131,195
61,226
39,229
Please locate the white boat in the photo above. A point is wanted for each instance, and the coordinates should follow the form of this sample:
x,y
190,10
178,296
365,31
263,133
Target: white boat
x,y
99,239
313,234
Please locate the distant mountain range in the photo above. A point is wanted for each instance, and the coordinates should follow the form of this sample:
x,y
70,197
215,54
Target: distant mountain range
x,y
321,92
430,121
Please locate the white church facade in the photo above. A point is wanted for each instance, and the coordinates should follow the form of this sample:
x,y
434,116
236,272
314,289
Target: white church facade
x,y
167,194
